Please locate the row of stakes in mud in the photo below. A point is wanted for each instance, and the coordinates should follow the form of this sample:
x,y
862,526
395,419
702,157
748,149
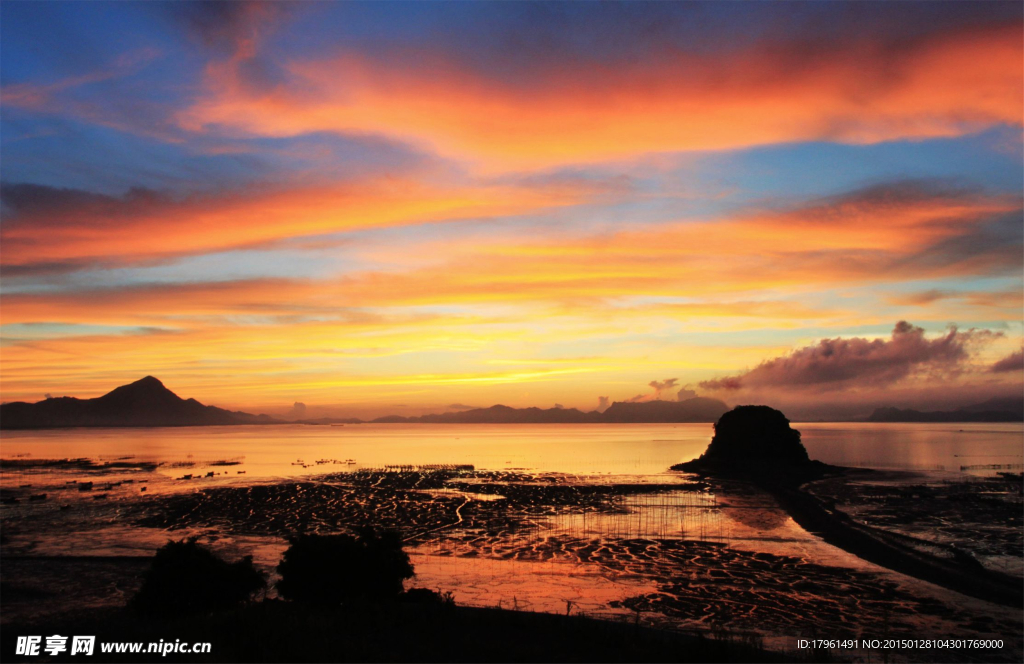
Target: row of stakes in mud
x,y
81,486
323,462
191,476
391,468
682,514
220,462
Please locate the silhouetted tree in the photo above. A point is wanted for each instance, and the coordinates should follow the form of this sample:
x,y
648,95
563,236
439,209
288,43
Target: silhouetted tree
x,y
332,569
187,578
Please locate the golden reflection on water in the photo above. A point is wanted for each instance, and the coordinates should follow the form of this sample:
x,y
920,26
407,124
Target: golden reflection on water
x,y
627,449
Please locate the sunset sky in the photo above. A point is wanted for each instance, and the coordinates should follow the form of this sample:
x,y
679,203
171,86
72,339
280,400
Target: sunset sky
x,y
404,208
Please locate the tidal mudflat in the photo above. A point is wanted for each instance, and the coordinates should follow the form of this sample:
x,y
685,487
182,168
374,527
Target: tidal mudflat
x,y
945,514
660,548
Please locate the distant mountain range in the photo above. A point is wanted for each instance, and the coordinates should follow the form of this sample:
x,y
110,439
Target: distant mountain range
x,y
698,409
147,403
144,403
993,410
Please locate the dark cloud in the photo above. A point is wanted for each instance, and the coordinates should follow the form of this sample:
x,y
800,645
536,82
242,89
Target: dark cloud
x,y
603,403
33,213
297,412
980,235
512,39
238,31
60,207
662,385
686,393
18,201
987,247
659,387
1012,362
1003,298
727,383
897,194
34,198
974,241
460,406
43,269
222,26
921,297
858,362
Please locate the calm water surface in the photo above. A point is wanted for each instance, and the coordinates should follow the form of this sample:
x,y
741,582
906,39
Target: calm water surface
x,y
620,449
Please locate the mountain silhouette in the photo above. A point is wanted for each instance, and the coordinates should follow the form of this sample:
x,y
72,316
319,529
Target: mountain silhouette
x,y
698,409
498,415
994,410
144,403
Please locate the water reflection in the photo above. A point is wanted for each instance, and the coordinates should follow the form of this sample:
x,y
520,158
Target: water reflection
x,y
274,451
942,447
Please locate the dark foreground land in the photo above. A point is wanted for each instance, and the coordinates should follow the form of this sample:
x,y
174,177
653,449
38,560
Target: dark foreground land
x,y
280,631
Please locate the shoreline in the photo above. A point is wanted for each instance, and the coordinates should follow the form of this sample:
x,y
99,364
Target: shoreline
x,y
875,545
456,422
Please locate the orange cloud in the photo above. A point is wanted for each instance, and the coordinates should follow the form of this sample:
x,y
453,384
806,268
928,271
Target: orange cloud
x,y
53,227
905,231
155,305
364,335
756,265
945,85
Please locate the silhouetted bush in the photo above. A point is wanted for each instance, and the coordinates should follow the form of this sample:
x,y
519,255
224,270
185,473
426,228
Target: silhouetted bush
x,y
755,434
421,595
333,569
186,578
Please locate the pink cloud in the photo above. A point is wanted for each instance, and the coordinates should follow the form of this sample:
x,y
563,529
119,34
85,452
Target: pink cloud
x,y
858,362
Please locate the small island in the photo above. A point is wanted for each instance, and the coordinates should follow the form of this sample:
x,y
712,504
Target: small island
x,y
757,443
